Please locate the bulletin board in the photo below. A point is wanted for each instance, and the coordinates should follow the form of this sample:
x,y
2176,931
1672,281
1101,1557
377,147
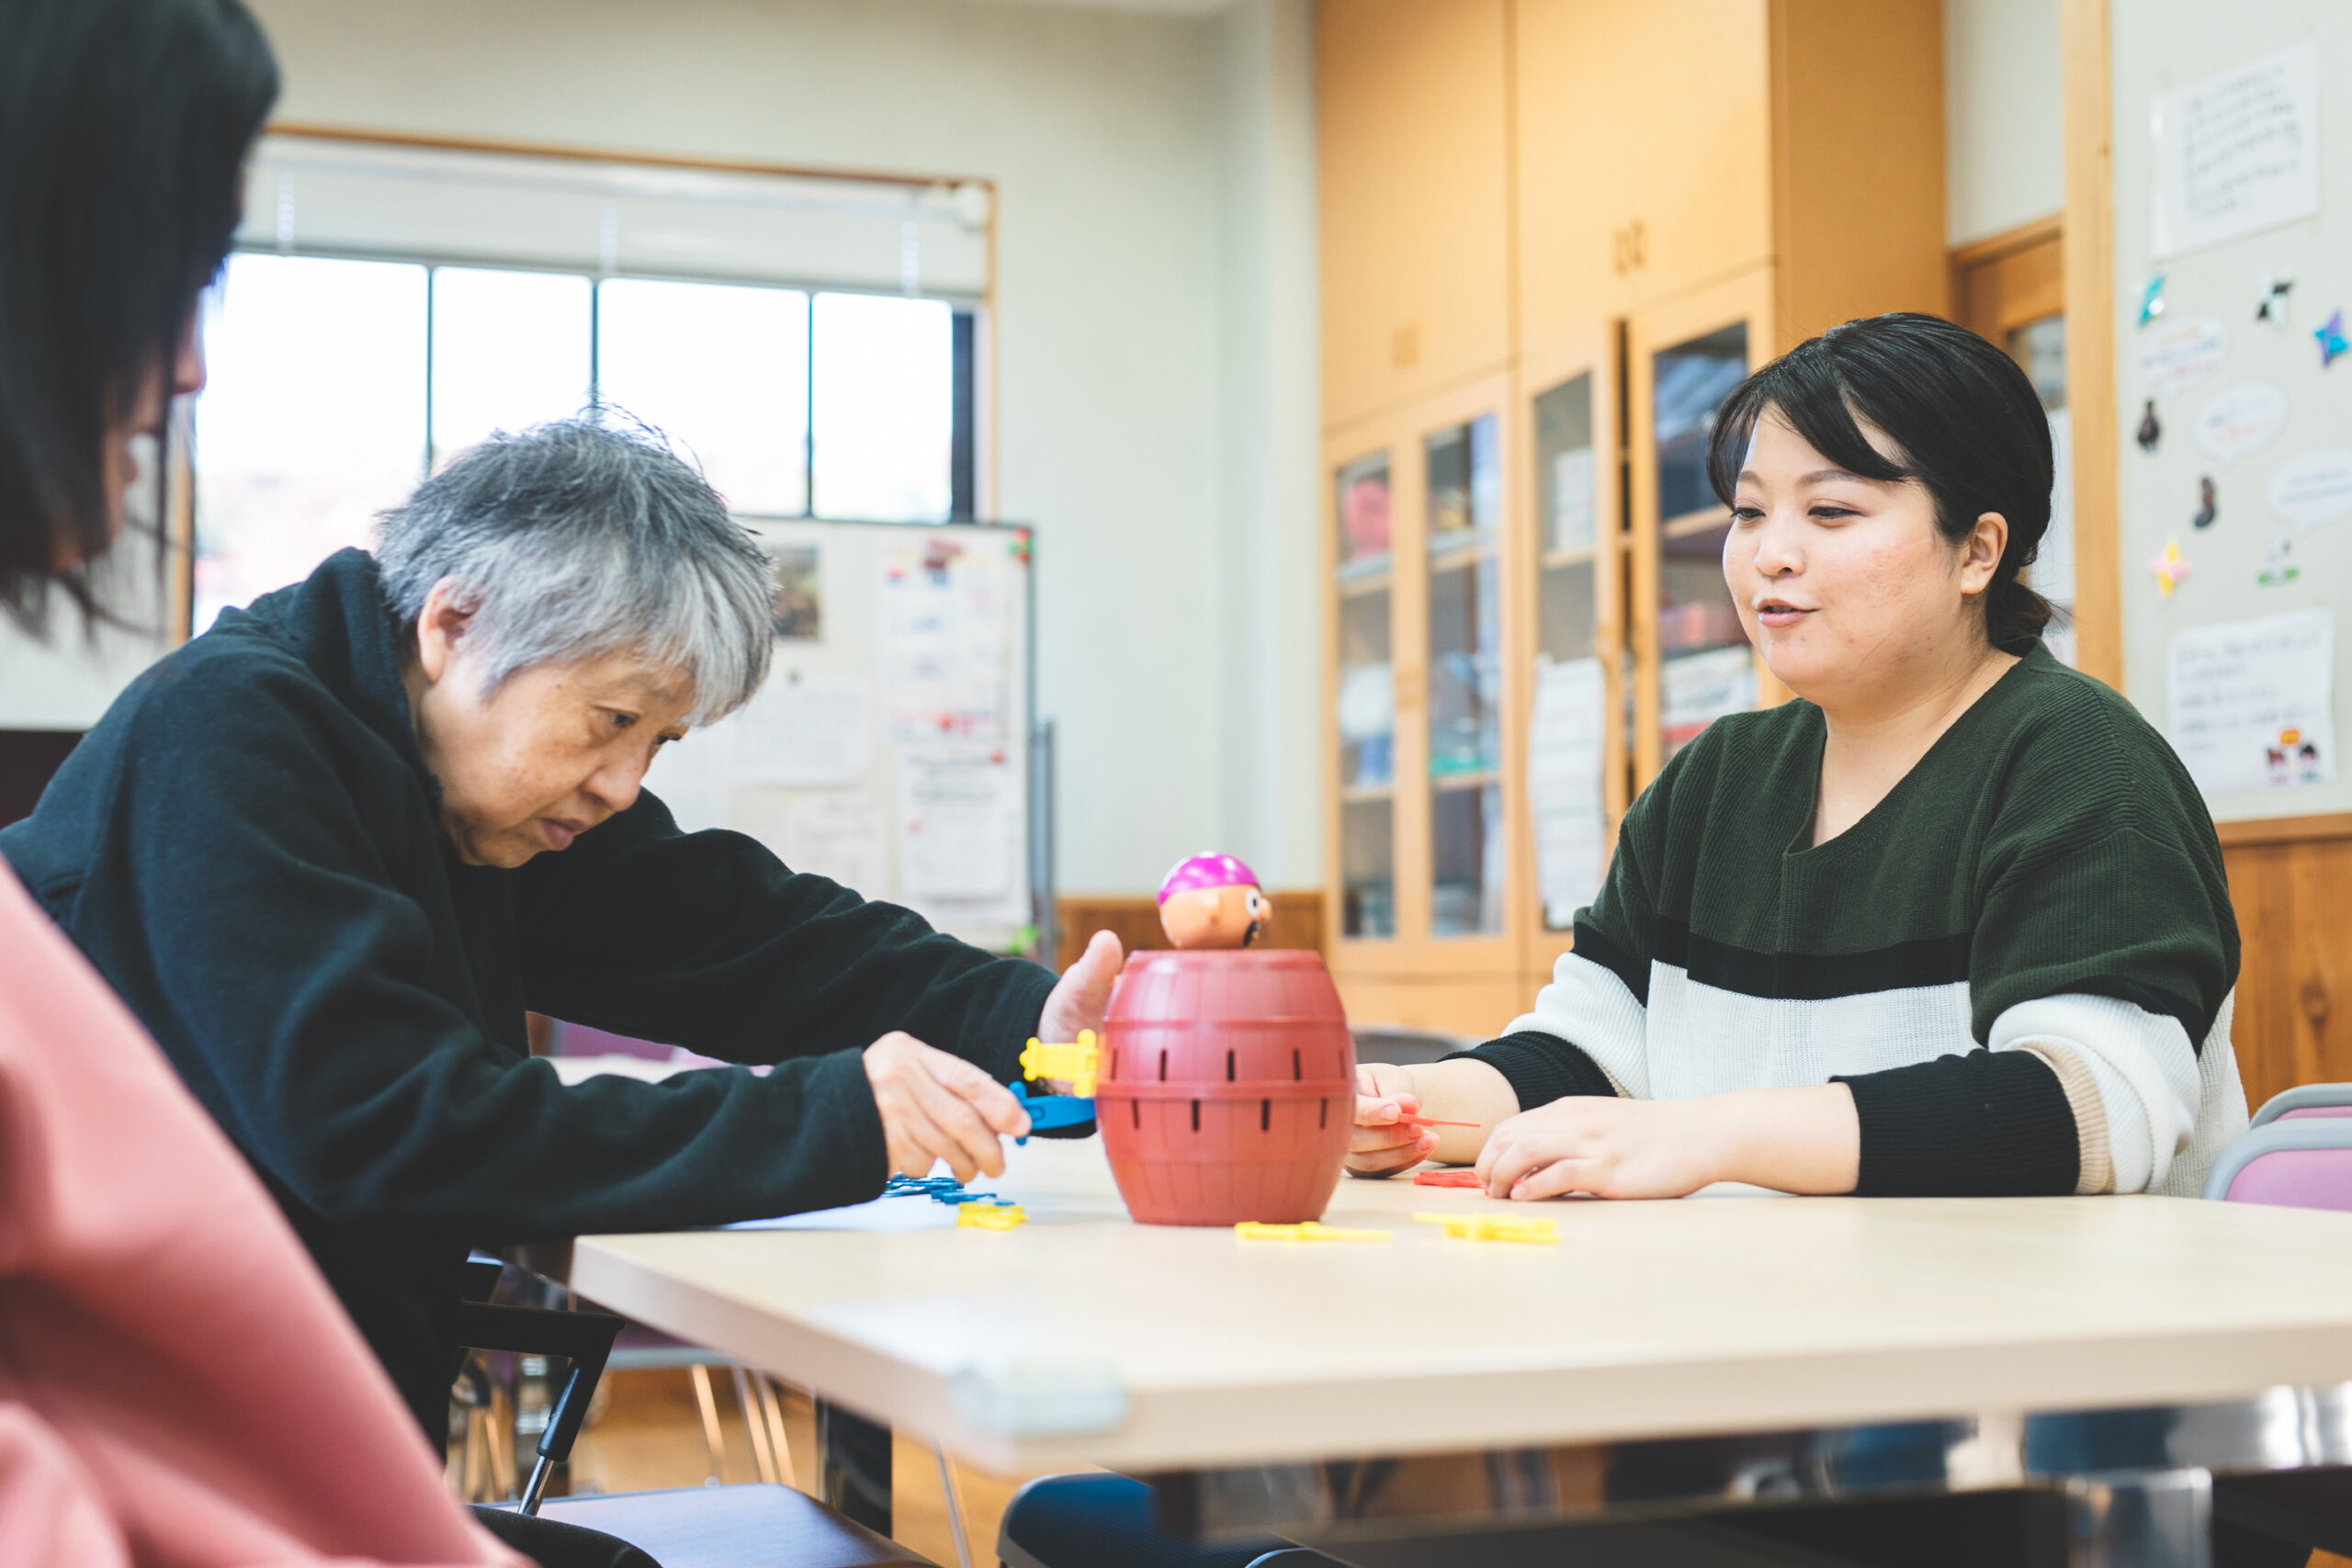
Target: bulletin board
x,y
2233,181
893,746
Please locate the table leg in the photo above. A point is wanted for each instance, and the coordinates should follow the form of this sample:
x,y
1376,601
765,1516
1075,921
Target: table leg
x,y
854,1456
2157,1519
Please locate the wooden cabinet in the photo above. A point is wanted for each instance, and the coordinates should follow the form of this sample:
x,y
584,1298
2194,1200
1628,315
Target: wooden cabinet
x,y
1414,191
1419,522
1643,150
1555,233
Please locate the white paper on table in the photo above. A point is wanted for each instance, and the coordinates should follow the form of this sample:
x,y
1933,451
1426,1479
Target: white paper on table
x,y
1564,778
816,730
945,631
910,1212
2246,697
2238,152
959,825
837,833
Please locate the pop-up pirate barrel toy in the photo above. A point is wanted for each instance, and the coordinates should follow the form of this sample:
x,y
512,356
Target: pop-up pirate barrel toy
x,y
1228,1082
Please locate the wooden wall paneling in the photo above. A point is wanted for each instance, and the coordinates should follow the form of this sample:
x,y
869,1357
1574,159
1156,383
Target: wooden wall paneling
x,y
2287,882
1411,103
1135,920
1858,162
2090,336
1476,1007
2002,282
1750,299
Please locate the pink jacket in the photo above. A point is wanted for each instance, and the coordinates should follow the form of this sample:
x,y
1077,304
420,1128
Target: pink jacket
x,y
177,1385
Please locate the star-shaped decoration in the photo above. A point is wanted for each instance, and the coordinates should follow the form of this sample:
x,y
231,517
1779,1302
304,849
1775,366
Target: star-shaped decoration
x,y
2169,569
2152,299
2273,305
2329,335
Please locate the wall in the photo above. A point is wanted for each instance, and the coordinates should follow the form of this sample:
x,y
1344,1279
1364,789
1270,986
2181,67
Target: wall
x,y
64,678
2004,164
1270,676
1155,329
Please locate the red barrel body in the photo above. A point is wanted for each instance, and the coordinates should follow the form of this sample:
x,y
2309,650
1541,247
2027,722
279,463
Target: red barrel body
x,y
1227,1087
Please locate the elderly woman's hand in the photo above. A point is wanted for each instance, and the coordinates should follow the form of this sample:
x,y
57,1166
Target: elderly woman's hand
x,y
1085,990
936,1107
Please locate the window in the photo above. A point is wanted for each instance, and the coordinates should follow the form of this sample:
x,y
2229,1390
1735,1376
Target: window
x,y
337,385
313,420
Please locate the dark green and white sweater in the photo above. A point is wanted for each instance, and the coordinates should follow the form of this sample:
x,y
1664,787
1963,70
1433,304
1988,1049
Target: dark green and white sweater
x,y
2020,962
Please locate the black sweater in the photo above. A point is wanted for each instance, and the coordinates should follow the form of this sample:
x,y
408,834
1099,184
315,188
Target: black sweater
x,y
247,847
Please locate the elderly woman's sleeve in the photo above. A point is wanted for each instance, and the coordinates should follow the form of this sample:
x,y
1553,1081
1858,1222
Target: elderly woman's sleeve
x,y
242,901
1587,1032
707,940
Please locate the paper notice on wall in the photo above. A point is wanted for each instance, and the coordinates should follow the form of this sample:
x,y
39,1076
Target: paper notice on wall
x,y
960,817
2252,702
945,629
2238,153
815,729
837,833
1564,778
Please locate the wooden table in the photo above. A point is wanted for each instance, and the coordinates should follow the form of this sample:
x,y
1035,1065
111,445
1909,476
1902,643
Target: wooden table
x,y
1750,1323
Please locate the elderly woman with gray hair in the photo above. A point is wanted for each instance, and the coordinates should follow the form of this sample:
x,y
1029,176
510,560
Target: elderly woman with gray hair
x,y
331,850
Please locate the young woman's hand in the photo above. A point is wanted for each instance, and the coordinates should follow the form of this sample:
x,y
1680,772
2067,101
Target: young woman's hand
x,y
1609,1147
936,1107
1797,1139
1378,1147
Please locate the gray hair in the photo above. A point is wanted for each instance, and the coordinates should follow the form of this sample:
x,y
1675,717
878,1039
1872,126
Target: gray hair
x,y
581,539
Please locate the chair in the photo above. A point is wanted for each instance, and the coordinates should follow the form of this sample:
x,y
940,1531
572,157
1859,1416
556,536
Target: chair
x,y
2296,1154
638,1347
755,1526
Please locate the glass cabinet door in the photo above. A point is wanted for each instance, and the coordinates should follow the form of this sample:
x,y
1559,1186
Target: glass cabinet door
x,y
1463,533
1705,666
1567,732
1366,707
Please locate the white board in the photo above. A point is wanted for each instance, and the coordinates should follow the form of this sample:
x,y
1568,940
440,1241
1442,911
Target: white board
x,y
890,749
2233,163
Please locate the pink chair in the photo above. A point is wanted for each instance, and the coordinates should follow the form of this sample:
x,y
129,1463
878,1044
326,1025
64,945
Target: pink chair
x,y
2297,1154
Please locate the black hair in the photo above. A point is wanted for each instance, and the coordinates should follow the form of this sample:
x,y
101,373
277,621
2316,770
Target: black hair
x,y
1964,419
125,125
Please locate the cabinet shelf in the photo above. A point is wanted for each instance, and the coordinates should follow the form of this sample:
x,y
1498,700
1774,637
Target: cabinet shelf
x,y
1362,794
1365,585
1703,521
1581,556
1474,779
1452,552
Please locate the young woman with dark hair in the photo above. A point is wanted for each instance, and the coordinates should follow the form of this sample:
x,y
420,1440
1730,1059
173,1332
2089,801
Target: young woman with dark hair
x,y
1953,922
126,124
177,1385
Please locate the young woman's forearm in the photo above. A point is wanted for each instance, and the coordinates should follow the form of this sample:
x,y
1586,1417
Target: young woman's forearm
x,y
1792,1140
1465,1090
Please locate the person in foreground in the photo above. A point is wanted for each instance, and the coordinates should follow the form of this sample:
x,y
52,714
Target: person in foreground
x,y
333,850
178,1387
1953,921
